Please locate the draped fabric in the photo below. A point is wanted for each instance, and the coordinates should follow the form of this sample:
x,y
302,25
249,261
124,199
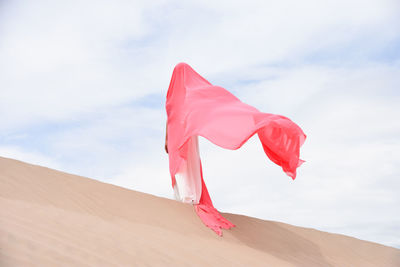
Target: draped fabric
x,y
188,179
195,108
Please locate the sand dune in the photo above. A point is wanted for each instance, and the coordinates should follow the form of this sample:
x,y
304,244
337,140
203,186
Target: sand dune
x,y
52,218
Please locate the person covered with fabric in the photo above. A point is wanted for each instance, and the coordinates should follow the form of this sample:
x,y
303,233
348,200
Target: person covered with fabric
x,y
195,108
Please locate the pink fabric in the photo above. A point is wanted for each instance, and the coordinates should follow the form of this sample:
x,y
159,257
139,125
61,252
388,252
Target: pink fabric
x,y
196,107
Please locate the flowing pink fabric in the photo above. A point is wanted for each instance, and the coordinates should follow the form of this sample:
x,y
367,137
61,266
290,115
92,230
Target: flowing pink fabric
x,y
196,107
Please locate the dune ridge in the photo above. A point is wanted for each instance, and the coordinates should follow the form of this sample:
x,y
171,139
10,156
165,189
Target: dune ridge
x,y
53,218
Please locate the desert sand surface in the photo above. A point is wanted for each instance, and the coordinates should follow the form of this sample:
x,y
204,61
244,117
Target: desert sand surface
x,y
53,218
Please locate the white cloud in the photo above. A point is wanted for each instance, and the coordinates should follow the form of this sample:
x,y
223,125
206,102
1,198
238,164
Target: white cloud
x,y
37,158
75,57
62,60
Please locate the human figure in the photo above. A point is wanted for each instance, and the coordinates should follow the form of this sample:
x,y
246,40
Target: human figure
x,y
195,107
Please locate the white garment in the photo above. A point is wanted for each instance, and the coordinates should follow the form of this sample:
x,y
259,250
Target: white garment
x,y
188,178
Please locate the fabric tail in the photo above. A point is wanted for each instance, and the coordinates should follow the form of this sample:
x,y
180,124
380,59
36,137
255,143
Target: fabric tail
x,y
208,214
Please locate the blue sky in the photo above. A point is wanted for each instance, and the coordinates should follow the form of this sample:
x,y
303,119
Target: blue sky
x,y
83,89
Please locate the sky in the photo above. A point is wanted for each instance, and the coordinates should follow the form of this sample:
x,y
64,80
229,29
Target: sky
x,y
83,87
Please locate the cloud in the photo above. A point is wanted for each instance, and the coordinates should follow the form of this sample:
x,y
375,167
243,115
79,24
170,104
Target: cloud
x,y
37,158
68,59
76,57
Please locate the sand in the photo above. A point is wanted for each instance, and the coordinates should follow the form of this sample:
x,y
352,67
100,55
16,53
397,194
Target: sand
x,y
52,218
